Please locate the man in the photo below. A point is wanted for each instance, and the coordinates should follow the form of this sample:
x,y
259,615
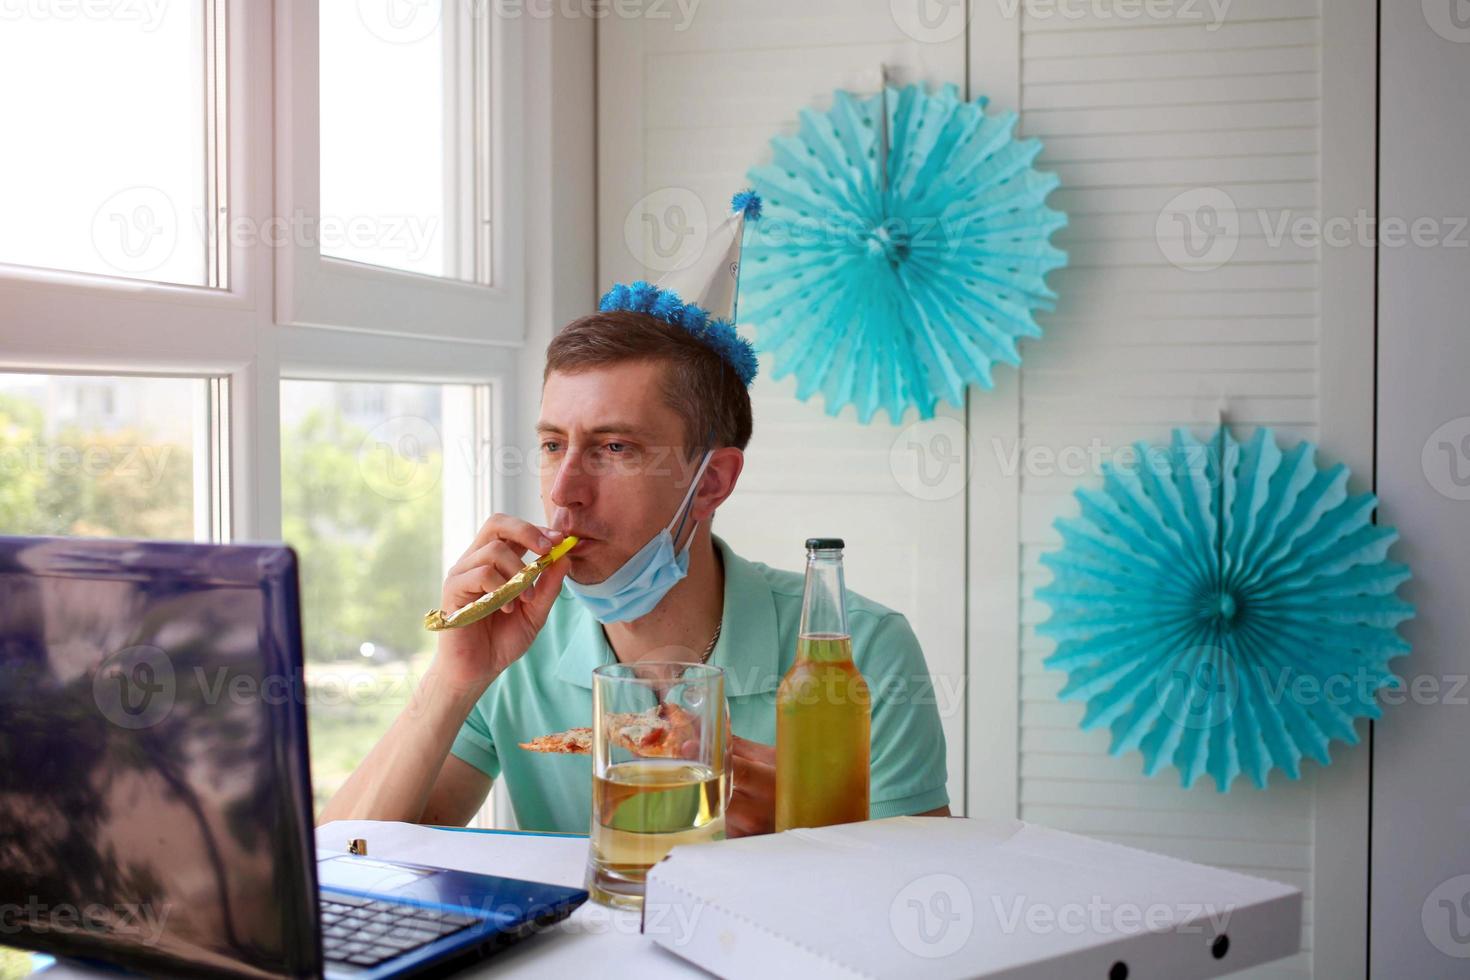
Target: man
x,y
645,415
625,402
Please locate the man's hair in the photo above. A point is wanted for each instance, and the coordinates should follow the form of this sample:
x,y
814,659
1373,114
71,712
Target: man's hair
x,y
698,384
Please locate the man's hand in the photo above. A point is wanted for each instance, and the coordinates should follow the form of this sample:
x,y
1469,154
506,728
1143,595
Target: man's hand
x,y
472,656
752,807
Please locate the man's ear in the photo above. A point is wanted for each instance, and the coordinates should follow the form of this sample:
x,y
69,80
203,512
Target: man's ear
x,y
719,481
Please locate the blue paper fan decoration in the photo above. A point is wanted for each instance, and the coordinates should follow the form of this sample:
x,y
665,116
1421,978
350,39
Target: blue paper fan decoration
x,y
901,254
1226,607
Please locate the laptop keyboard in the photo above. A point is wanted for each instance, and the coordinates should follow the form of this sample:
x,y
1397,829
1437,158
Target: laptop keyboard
x,y
364,932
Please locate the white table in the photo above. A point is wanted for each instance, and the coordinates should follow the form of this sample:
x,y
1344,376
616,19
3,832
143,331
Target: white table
x,y
594,941
599,942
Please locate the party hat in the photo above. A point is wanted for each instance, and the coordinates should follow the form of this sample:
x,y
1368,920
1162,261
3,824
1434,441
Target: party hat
x,y
701,297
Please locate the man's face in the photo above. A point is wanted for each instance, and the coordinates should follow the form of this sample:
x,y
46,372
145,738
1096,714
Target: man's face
x,y
612,462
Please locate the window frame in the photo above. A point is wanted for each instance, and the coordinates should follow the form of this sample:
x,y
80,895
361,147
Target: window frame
x,y
243,335
239,335
317,290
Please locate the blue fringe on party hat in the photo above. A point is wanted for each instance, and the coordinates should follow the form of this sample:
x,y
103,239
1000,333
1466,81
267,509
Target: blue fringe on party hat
x,y
701,297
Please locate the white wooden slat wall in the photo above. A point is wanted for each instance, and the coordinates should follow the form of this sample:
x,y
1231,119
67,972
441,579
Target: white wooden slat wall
x,y
693,106
1134,113
1273,105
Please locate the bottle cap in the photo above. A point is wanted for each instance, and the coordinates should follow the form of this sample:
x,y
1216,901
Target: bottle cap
x,y
824,544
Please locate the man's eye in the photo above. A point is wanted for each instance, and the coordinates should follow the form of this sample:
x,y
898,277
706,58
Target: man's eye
x,y
617,447
550,447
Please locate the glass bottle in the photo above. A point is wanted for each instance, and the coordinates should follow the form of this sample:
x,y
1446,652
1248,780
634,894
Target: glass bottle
x,y
823,707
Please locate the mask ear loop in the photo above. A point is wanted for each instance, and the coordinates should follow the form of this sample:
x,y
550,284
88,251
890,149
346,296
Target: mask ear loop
x,y
687,502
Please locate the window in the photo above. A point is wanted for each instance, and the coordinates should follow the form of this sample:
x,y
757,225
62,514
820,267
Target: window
x,y
108,119
385,197
141,387
399,201
380,493
106,456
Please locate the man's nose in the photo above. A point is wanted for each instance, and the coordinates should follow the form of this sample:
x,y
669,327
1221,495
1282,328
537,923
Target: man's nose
x,y
571,484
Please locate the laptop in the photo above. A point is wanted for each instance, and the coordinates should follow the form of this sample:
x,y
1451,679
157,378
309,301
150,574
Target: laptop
x,y
155,798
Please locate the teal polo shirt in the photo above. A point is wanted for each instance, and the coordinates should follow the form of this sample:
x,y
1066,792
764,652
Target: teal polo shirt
x,y
549,689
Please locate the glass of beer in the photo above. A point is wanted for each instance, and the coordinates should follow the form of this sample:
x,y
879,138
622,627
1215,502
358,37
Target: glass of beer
x,y
660,749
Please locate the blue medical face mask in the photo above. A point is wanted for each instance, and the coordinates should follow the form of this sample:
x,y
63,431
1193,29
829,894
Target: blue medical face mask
x,y
642,581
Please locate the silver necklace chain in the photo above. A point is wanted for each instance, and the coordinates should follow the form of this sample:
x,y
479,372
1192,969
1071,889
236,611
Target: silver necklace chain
x,y
712,641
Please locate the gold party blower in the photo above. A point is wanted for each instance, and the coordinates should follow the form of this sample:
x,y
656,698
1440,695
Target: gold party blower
x,y
491,601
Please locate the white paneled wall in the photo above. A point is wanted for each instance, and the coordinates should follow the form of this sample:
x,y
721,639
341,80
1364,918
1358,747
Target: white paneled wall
x,y
1272,104
1134,115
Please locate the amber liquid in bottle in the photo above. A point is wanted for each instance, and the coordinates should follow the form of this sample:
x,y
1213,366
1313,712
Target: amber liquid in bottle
x,y
823,708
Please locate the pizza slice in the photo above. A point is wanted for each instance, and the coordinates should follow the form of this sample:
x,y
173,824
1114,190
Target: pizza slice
x,y
658,732
573,741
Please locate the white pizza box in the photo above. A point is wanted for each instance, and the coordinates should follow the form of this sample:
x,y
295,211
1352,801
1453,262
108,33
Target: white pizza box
x,y
919,897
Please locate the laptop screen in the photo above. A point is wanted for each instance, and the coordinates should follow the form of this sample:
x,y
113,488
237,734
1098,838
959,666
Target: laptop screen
x,y
153,785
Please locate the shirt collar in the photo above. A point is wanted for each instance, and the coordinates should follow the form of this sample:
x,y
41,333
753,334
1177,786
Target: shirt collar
x,y
748,648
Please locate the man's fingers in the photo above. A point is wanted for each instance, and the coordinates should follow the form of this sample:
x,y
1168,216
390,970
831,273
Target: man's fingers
x,y
537,601
500,554
748,815
754,779
739,826
468,586
504,527
495,563
752,807
744,748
